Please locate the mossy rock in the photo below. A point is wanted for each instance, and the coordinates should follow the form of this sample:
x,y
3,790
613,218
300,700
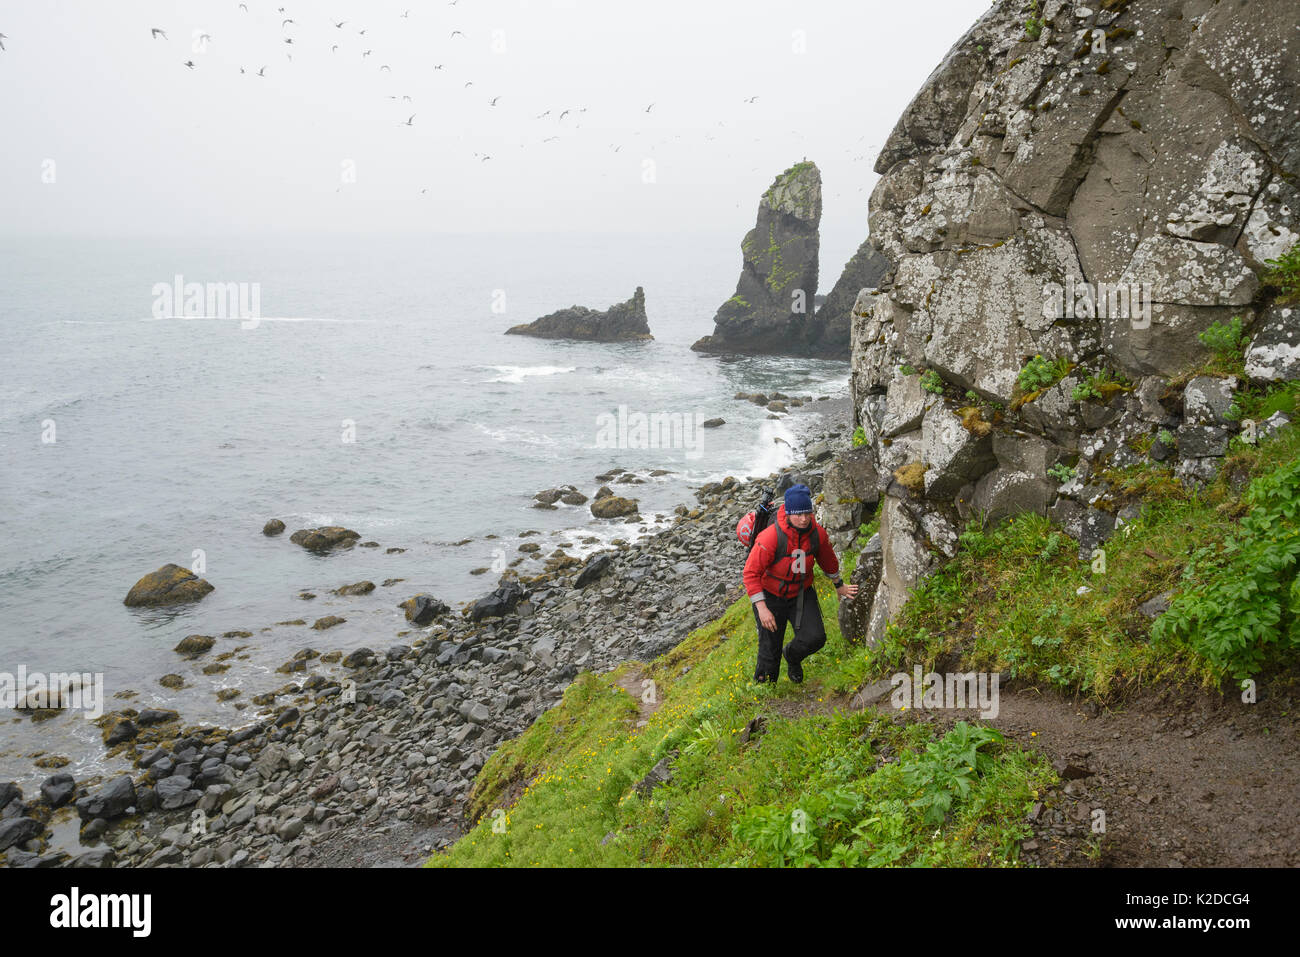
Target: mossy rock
x,y
169,585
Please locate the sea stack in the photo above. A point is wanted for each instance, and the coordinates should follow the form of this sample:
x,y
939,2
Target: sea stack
x,y
772,309
834,318
624,322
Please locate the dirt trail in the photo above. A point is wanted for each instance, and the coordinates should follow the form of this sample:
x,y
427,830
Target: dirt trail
x,y
1184,779
630,682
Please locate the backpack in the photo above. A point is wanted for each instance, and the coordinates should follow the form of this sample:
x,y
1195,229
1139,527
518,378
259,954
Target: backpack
x,y
751,523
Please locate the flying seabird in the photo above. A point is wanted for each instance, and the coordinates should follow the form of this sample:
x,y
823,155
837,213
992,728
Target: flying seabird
x,y
155,33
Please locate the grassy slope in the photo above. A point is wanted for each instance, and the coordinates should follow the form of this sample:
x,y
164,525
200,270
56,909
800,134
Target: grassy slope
x,y
874,791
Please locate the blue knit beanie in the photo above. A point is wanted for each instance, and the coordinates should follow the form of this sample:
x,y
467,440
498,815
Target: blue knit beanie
x,y
798,500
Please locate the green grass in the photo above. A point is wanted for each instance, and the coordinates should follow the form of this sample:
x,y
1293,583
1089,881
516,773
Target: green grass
x,y
1010,599
871,790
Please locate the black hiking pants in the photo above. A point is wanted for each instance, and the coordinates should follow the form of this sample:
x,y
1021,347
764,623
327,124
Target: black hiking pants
x,y
808,637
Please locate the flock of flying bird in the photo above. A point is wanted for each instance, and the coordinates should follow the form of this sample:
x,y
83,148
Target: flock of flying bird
x,y
201,39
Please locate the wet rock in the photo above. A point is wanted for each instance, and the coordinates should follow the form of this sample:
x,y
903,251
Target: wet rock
x,y
273,527
169,585
623,322
19,830
329,621
110,801
613,506
191,646
325,538
360,588
423,609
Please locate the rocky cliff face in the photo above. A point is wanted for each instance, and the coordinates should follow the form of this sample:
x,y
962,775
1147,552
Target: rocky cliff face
x,y
772,309
1151,146
622,322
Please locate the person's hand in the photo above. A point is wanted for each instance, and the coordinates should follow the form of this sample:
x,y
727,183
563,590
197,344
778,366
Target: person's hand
x,y
766,618
847,591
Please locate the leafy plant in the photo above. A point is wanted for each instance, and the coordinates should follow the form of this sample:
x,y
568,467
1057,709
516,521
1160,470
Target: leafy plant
x,y
706,737
1034,23
1039,373
907,369
810,834
947,769
1098,386
1284,273
1166,437
1225,340
1240,603
859,437
931,381
1061,472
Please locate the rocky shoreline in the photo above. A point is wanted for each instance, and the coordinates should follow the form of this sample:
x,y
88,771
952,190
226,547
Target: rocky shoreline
x,y
368,758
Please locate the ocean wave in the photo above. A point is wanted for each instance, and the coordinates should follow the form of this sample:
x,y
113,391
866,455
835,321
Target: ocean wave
x,y
516,435
515,374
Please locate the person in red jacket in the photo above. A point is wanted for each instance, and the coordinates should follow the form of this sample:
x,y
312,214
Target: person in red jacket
x,y
778,579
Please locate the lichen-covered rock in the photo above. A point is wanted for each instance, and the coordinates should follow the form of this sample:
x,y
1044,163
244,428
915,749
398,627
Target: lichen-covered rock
x,y
953,456
1274,353
772,310
1149,146
169,585
623,322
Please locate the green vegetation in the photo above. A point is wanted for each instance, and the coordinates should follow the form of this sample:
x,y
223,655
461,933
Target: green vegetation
x,y
1034,23
813,784
1283,274
1226,342
931,381
1061,472
1039,374
786,775
1166,438
1011,600
1099,387
907,369
1240,599
739,301
859,437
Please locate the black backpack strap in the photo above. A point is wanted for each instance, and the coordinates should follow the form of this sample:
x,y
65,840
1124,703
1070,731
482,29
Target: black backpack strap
x,y
781,544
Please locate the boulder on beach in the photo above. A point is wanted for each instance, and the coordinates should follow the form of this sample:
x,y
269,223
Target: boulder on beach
x,y
273,527
623,322
502,601
169,585
613,506
324,538
422,609
329,621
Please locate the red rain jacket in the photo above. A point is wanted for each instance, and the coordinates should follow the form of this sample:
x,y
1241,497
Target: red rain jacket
x,y
763,577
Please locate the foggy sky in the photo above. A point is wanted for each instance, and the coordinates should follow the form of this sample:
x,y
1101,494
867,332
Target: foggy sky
x,y
138,144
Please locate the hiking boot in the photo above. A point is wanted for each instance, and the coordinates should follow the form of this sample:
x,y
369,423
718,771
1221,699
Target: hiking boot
x,y
793,669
